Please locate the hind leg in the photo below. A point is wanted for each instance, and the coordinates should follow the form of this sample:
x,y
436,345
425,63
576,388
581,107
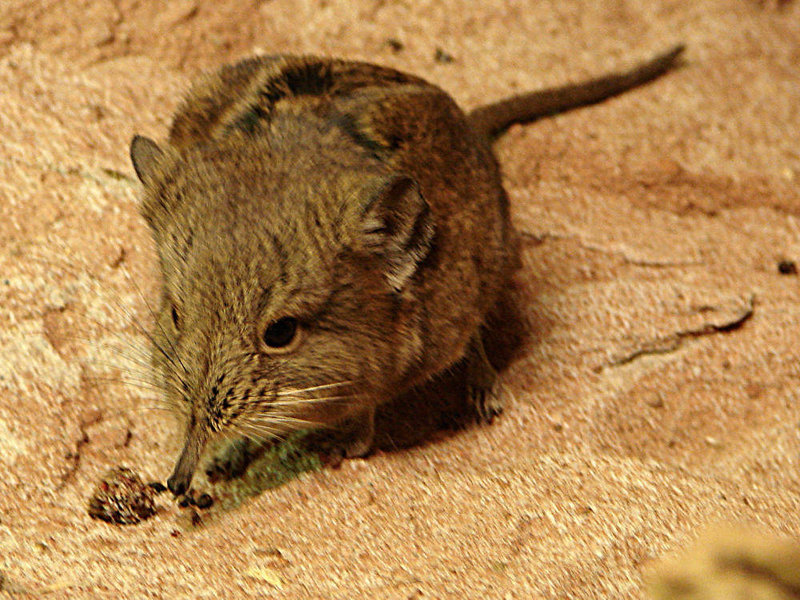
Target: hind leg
x,y
482,382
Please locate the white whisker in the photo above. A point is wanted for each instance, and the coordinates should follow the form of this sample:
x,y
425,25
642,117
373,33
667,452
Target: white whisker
x,y
291,401
255,432
313,388
277,419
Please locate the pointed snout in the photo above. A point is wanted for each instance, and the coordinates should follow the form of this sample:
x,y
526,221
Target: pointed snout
x,y
181,477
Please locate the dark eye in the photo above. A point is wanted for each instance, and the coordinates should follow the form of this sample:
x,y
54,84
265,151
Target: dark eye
x,y
281,333
176,320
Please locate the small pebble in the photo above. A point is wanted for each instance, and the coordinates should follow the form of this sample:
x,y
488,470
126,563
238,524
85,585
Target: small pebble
x,y
395,44
204,501
787,267
157,487
443,56
122,498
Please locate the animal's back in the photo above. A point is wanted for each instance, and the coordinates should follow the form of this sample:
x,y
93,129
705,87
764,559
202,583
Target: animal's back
x,y
334,226
410,126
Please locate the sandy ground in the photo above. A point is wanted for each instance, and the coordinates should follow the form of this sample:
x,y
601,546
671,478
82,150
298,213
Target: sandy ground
x,y
655,390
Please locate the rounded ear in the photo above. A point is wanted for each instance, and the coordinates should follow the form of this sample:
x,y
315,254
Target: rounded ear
x,y
397,223
145,156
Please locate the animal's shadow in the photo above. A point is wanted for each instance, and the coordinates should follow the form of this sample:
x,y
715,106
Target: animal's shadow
x,y
440,408
423,415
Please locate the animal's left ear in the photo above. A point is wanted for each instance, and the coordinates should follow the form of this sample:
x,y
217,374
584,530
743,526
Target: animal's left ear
x,y
398,224
145,156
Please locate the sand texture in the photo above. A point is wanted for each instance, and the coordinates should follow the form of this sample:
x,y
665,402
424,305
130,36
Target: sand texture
x,y
655,387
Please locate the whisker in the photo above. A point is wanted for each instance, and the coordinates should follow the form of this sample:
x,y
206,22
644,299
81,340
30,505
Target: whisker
x,y
112,348
277,419
127,354
128,374
298,401
256,433
313,388
145,407
131,318
137,383
155,320
104,365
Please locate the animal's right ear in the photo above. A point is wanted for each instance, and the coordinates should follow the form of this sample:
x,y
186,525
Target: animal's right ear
x,y
145,156
397,223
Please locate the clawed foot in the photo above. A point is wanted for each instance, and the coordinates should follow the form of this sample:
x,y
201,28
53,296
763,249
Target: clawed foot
x,y
354,439
232,460
482,385
486,402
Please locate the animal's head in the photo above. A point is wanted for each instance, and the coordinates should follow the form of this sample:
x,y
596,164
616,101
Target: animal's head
x,y
288,284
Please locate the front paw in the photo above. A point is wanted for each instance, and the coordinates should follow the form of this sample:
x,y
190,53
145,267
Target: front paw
x,y
485,401
483,388
232,460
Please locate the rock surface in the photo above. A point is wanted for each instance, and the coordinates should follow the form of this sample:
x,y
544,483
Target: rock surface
x,y
655,390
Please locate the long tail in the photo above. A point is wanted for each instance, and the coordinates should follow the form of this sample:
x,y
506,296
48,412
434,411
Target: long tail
x,y
494,118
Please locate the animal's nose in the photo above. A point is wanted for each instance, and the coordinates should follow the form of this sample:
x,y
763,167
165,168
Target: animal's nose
x,y
178,484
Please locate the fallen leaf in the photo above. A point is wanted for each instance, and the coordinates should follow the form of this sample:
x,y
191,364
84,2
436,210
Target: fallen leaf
x,y
265,574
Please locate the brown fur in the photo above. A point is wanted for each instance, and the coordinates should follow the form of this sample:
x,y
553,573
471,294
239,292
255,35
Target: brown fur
x,y
356,199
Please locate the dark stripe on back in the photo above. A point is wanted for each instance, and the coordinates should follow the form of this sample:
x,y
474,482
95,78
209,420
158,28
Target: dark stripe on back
x,y
315,77
301,78
347,123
